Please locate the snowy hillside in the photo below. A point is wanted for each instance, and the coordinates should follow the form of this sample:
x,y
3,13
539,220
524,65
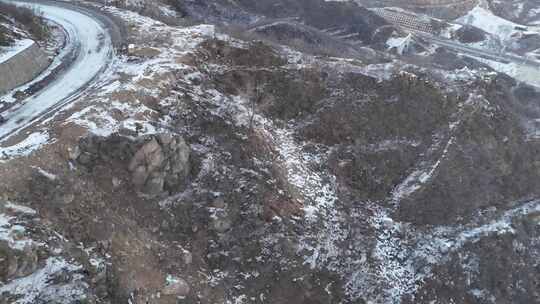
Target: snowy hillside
x,y
284,151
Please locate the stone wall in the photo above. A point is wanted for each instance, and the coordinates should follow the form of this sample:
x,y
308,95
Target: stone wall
x,y
22,68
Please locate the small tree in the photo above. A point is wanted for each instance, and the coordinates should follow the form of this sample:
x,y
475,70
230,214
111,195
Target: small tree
x,y
256,94
4,39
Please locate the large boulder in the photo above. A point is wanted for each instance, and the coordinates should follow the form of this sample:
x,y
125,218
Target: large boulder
x,y
162,163
176,287
156,164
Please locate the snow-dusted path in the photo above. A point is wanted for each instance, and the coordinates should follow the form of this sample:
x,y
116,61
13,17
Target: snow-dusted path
x,y
92,44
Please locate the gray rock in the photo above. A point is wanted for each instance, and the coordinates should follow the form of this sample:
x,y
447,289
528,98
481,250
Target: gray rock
x,y
221,225
188,257
16,263
156,163
160,164
74,153
85,159
176,287
149,155
165,139
139,176
154,185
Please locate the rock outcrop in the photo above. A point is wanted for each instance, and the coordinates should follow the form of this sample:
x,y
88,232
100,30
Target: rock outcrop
x,y
155,164
161,163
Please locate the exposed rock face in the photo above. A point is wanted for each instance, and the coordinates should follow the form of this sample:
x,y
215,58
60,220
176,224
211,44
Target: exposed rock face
x,y
161,163
157,164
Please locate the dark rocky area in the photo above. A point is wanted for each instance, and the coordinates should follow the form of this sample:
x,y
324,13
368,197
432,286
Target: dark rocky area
x,y
469,34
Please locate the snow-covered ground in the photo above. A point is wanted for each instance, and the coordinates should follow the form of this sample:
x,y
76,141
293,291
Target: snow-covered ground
x,y
126,96
490,23
520,71
41,285
400,44
18,46
31,143
93,44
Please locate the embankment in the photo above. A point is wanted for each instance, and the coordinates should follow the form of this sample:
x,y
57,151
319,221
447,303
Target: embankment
x,y
22,68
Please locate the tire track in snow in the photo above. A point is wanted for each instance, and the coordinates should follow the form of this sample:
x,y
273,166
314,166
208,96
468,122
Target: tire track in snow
x,y
93,44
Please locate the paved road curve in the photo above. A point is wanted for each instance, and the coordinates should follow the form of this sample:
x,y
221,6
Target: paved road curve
x,y
92,44
526,70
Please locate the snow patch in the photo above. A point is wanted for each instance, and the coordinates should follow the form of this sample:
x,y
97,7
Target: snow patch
x,y
40,285
6,53
490,23
30,144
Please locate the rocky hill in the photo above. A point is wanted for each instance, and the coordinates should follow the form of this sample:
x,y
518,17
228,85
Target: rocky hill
x,y
260,155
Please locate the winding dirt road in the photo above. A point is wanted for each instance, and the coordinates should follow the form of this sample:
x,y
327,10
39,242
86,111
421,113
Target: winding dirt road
x,y
89,46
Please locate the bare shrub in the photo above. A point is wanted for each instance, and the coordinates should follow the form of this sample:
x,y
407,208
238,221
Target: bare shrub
x,y
4,38
178,6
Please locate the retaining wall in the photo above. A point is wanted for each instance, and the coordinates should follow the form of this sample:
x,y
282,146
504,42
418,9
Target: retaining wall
x,y
22,68
443,9
405,20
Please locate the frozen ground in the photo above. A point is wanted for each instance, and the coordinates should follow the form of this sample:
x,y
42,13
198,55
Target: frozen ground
x,y
388,273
